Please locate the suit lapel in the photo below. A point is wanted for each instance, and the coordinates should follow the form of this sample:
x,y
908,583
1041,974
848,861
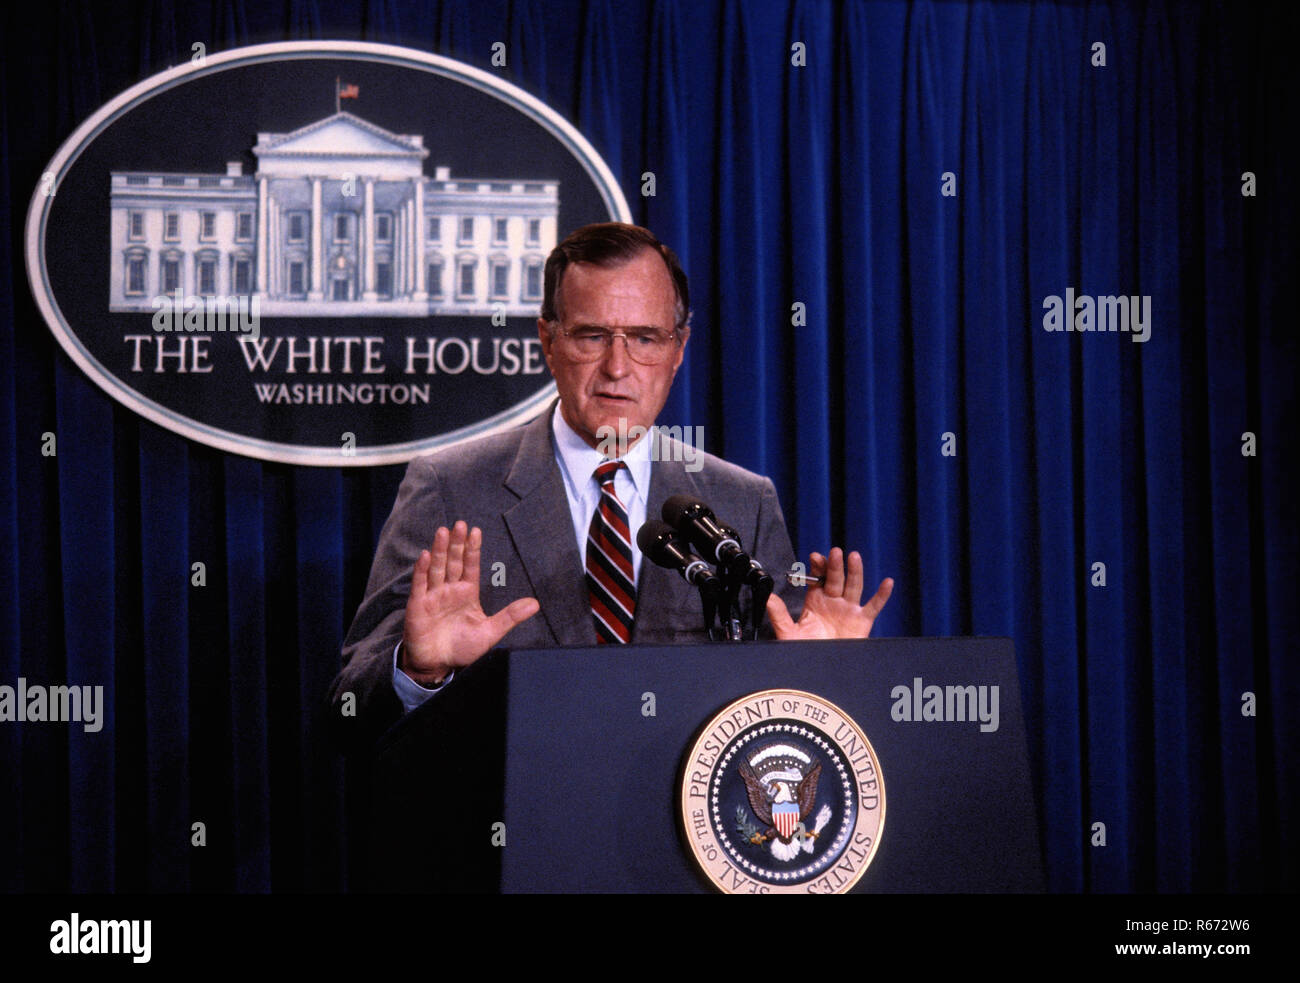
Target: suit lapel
x,y
542,532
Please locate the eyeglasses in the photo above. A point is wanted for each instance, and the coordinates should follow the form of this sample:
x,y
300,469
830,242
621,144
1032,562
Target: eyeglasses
x,y
645,347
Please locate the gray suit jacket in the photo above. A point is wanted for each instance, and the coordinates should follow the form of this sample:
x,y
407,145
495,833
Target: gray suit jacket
x,y
510,485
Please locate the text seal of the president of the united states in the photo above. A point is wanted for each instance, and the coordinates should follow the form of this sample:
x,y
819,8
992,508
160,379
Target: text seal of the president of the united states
x,y
782,793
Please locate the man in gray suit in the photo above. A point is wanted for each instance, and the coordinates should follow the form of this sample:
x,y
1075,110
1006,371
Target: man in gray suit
x,y
528,506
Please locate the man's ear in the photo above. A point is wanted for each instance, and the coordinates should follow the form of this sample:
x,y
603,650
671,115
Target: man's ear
x,y
685,334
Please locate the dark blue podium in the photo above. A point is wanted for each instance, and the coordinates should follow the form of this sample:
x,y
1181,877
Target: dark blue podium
x,y
561,747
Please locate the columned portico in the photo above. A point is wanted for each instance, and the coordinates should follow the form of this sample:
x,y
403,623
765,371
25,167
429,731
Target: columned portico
x,y
338,220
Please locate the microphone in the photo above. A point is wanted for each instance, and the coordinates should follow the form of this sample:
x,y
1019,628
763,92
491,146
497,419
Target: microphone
x,y
660,543
697,523
728,531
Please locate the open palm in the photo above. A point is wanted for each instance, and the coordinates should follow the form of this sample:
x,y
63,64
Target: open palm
x,y
446,627
831,610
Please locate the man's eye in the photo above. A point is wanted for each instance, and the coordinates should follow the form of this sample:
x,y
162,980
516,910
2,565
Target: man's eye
x,y
589,335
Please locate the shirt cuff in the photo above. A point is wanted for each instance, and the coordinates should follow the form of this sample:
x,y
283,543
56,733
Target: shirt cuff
x,y
411,693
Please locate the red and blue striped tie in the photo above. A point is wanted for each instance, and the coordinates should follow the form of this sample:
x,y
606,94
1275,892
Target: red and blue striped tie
x,y
609,563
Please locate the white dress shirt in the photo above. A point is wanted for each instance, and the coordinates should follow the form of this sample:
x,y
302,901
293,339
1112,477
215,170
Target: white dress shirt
x,y
578,462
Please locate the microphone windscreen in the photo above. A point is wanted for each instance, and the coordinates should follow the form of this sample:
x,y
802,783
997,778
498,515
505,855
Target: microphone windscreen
x,y
675,506
648,536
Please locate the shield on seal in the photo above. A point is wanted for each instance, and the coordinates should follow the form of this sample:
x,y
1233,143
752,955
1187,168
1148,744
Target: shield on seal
x,y
785,817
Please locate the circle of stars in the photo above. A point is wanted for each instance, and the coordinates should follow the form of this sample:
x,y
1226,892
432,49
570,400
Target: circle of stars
x,y
830,855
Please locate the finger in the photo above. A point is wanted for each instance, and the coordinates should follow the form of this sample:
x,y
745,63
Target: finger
x,y
816,567
512,614
834,586
853,583
779,615
473,555
438,566
878,599
456,552
420,574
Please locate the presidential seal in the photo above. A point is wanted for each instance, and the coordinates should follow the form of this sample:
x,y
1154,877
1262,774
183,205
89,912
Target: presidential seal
x,y
782,794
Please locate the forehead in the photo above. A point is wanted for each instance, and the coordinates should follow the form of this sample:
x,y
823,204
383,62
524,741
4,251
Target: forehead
x,y
636,292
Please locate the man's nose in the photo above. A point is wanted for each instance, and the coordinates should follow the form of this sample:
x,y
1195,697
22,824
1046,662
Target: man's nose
x,y
617,361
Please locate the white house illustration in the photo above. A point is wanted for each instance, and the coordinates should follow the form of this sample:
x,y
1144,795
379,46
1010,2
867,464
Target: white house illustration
x,y
339,220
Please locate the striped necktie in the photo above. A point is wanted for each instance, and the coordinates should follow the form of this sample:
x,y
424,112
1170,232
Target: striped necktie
x,y
609,562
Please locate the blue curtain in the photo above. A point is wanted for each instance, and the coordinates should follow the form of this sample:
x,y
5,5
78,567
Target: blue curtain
x,y
852,323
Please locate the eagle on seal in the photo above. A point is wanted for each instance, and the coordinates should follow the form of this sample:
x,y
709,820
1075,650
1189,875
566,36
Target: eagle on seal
x,y
782,809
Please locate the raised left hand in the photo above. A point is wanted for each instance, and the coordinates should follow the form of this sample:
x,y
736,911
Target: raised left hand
x,y
831,610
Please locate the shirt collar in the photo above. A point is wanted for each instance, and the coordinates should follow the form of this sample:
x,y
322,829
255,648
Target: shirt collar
x,y
579,459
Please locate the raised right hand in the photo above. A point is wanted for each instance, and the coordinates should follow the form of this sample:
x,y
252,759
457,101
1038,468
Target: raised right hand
x,y
445,627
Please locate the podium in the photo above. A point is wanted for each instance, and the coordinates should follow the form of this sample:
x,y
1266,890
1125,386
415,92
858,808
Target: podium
x,y
561,770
